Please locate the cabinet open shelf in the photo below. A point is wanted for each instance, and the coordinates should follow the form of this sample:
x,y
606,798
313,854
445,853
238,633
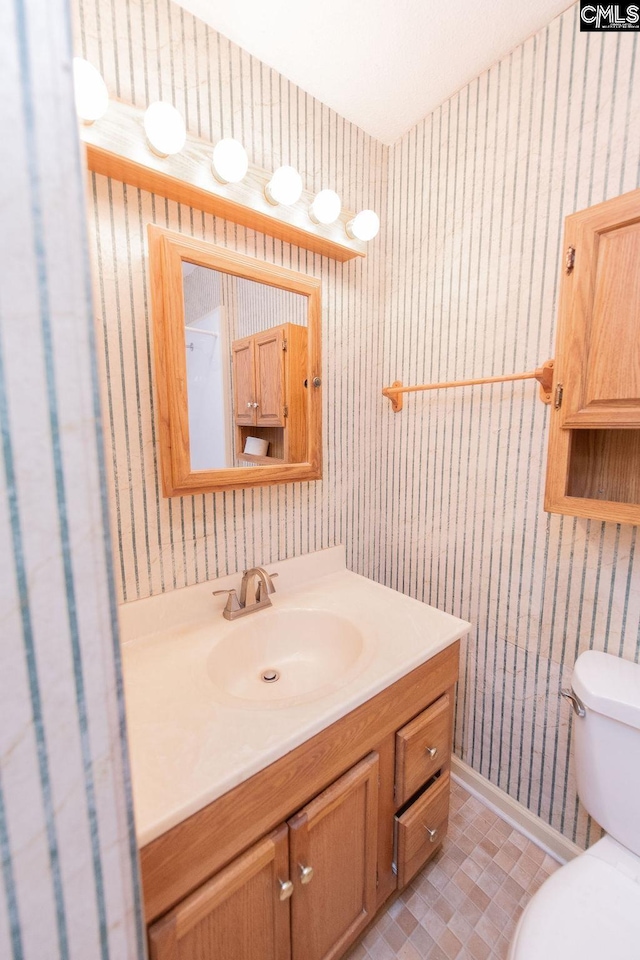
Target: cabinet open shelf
x,y
605,465
254,458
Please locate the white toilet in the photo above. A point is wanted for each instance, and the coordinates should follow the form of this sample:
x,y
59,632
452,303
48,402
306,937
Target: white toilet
x,y
590,908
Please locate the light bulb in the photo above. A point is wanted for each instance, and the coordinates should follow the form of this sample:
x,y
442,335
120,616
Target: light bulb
x,y
230,161
285,187
364,226
92,97
164,128
326,207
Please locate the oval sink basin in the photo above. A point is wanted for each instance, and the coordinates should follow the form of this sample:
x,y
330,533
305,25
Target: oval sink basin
x,y
308,651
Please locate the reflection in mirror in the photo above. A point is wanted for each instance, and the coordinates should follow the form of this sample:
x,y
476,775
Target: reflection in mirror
x,y
238,375
246,351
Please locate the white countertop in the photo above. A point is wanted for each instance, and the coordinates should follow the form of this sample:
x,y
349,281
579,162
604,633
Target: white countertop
x,y
188,744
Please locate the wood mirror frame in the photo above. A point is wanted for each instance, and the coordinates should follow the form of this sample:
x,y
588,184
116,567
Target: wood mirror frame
x,y
167,250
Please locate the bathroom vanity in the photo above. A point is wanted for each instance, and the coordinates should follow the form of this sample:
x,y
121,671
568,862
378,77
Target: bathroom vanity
x,y
275,822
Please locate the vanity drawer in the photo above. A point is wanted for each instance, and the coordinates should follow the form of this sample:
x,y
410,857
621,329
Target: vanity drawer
x,y
421,829
423,747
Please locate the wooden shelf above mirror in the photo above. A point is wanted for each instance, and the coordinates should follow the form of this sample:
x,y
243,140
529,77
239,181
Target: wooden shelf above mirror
x,y
116,147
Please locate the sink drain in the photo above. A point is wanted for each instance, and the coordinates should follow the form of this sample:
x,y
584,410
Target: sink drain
x,y
270,676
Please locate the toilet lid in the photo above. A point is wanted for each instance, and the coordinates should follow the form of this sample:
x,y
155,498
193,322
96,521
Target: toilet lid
x,y
588,910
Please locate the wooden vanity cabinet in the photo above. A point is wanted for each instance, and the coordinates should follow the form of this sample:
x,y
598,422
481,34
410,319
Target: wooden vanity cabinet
x,y
270,392
353,804
594,442
326,855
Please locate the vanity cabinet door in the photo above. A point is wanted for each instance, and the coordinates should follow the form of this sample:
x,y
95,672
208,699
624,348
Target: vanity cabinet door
x,y
244,399
241,914
333,853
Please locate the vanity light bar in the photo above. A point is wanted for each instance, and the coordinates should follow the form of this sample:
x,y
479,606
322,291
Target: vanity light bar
x,y
152,150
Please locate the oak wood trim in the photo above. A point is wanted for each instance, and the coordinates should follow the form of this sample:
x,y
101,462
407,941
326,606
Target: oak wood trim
x,y
116,148
166,251
180,860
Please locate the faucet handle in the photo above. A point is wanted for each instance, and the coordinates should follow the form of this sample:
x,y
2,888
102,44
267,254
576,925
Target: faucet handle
x,y
232,604
268,584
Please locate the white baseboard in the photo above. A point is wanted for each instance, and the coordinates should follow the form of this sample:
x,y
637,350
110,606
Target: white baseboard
x,y
514,813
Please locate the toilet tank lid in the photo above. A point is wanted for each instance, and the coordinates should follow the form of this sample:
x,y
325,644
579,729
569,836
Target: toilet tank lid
x,y
608,685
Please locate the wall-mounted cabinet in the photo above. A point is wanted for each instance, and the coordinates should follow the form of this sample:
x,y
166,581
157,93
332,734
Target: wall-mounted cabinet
x,y
594,445
270,392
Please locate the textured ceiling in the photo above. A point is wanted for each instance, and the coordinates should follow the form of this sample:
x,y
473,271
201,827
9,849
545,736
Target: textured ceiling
x,y
382,64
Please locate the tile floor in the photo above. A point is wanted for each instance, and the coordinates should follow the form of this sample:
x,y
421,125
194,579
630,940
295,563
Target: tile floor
x,y
467,900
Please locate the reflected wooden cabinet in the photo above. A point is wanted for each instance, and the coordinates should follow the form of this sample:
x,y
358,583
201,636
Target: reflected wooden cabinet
x,y
270,392
244,382
594,444
303,893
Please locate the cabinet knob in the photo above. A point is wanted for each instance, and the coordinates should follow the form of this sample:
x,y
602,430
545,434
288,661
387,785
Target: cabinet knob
x,y
249,404
432,751
286,889
306,874
255,404
433,834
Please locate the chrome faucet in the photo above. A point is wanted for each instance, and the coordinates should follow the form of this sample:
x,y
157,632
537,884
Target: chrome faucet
x,y
255,588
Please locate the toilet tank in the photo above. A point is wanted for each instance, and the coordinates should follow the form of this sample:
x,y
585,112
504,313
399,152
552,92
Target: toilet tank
x,y
607,743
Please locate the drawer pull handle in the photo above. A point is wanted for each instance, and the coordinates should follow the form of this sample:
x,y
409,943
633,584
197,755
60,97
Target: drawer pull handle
x,y
433,752
286,889
306,874
433,834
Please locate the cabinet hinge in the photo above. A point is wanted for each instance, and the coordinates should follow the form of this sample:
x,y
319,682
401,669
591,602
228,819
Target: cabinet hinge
x,y
570,259
284,343
285,411
558,398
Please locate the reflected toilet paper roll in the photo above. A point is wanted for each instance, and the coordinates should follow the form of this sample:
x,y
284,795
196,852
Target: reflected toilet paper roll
x,y
256,446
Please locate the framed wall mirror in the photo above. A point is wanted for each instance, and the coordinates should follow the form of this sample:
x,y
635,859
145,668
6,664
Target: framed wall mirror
x,y
237,367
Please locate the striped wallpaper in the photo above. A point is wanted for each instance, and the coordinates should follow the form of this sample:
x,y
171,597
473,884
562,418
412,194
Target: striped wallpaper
x,y
68,862
222,91
477,196
250,307
443,501
259,307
